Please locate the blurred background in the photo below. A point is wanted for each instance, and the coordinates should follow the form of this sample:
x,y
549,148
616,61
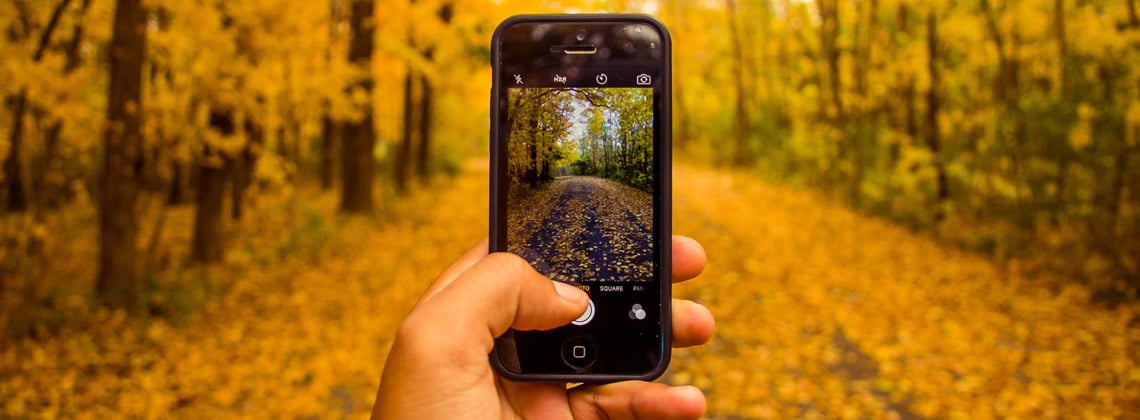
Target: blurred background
x,y
912,209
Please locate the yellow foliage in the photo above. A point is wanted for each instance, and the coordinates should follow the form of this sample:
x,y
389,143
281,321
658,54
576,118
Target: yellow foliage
x,y
1081,136
814,301
280,336
821,313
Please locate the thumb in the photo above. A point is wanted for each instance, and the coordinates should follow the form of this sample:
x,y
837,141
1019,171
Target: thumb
x,y
442,345
499,292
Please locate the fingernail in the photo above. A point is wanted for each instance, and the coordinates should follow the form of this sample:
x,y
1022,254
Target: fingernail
x,y
688,391
691,394
569,292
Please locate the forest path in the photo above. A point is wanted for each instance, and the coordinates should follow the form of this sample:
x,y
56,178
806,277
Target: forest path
x,y
825,311
821,312
591,229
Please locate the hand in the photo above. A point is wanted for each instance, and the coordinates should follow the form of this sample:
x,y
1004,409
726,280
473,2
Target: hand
x,y
439,367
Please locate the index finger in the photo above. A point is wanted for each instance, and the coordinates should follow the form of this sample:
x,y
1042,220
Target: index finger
x,y
469,259
688,262
688,258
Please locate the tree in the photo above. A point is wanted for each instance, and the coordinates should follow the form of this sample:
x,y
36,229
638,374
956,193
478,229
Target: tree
x,y
330,130
423,152
13,175
933,132
118,282
360,135
404,149
330,127
208,243
242,167
47,186
741,119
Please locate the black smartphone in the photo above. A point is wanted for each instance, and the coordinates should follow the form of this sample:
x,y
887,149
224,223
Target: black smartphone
x,y
580,188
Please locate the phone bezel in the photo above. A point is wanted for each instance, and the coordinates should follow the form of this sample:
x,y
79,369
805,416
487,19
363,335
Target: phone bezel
x,y
662,188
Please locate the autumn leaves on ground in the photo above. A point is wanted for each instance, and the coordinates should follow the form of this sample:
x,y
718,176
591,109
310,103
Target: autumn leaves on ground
x,y
822,313
593,228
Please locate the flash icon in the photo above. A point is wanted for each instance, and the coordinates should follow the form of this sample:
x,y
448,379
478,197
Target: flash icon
x,y
518,79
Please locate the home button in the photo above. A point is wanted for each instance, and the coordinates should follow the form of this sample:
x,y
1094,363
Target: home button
x,y
579,352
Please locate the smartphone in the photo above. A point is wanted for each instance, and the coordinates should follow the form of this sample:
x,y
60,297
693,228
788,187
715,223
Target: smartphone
x,y
580,188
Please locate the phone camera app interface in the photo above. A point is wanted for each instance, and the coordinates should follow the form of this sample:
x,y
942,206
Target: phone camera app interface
x,y
580,173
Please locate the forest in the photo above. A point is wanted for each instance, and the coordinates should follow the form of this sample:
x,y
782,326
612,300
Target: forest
x,y
916,209
569,152
1008,127
582,131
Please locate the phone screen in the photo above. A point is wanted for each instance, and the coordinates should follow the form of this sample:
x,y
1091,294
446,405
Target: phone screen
x,y
581,188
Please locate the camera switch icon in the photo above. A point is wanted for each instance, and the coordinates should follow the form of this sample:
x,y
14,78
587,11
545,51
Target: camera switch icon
x,y
637,312
601,79
644,79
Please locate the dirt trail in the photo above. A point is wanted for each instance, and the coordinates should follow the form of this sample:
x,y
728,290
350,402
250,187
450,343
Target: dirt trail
x,y
591,229
825,312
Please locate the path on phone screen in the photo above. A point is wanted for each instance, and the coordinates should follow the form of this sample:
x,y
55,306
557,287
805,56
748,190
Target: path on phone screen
x,y
587,229
821,313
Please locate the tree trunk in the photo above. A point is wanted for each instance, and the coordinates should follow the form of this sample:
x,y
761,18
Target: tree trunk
x,y
741,121
360,136
236,171
1007,67
933,131
1133,21
909,122
179,184
423,153
532,154
331,130
829,35
208,244
118,282
1061,91
404,151
863,45
50,179
424,149
243,165
13,176
1116,193
831,99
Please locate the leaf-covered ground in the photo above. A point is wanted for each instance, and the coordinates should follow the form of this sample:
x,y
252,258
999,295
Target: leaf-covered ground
x,y
821,313
583,229
826,313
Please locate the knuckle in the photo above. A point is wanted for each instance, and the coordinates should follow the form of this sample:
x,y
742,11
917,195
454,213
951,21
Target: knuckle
x,y
510,266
